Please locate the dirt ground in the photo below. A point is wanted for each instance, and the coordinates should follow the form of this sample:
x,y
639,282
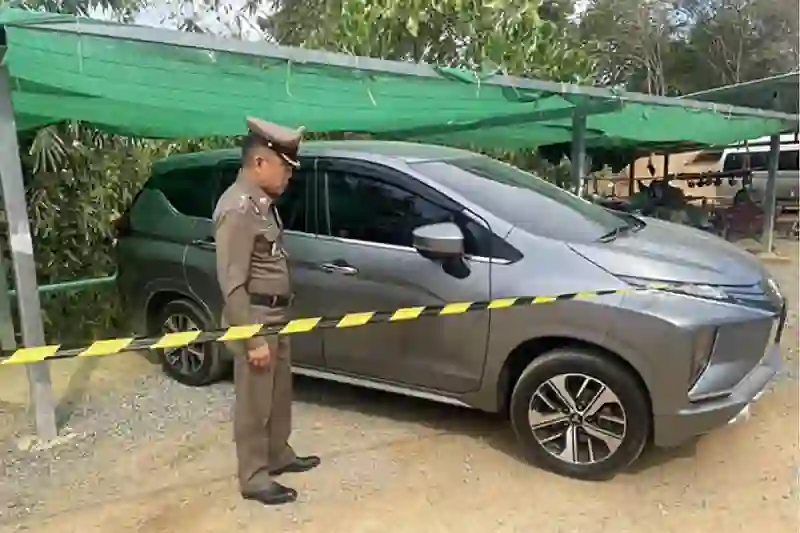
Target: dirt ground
x,y
147,455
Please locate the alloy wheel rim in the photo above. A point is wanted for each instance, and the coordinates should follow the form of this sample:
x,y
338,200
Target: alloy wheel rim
x,y
187,359
577,419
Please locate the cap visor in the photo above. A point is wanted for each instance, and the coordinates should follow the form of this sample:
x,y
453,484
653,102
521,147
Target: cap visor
x,y
292,162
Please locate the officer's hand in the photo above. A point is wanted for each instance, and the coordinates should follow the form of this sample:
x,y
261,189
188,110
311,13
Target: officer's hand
x,y
260,357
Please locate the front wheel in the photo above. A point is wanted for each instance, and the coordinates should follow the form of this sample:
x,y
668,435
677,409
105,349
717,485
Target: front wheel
x,y
580,414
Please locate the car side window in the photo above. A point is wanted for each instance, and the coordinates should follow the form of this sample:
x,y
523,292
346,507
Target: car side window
x,y
371,210
787,160
190,191
292,204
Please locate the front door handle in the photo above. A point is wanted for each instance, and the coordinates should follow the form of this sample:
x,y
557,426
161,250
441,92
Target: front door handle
x,y
339,268
205,244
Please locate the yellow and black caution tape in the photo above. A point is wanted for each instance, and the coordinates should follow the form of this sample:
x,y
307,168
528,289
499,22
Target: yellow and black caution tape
x,y
37,354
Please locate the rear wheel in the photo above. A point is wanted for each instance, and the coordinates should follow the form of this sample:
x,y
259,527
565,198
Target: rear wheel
x,y
195,365
580,414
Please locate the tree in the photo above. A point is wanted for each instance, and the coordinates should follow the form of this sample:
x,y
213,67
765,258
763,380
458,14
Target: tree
x,y
122,10
634,37
732,41
682,46
510,35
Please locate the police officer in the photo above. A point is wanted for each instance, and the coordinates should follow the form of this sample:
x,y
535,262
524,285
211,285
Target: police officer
x,y
254,277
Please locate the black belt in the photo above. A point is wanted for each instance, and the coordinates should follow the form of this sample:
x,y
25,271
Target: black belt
x,y
272,300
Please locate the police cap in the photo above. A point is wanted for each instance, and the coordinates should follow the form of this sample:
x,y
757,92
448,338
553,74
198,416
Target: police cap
x,y
283,141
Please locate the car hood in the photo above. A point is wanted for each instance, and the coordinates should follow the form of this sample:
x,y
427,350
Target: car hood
x,y
673,252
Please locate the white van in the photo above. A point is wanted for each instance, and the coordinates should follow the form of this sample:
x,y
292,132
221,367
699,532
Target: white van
x,y
735,158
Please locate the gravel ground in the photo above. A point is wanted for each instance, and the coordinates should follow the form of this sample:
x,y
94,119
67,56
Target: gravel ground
x,y
144,454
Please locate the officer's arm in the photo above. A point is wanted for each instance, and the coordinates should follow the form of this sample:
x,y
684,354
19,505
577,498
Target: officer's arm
x,y
235,235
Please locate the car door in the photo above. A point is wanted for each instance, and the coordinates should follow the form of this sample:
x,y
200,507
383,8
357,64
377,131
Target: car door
x,y
297,210
365,253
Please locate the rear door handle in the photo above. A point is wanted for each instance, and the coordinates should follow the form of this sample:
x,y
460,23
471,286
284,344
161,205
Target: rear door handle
x,y
205,244
339,268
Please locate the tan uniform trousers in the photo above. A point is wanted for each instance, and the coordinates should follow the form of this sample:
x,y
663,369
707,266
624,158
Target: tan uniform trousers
x,y
262,417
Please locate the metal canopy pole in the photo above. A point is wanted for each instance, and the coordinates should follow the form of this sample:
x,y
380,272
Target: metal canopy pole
x,y
770,197
578,155
632,176
19,234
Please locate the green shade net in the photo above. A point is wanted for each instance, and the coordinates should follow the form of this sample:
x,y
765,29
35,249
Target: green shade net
x,y
134,87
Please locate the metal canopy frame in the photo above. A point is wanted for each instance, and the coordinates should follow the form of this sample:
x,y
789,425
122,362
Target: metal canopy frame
x,y
12,181
775,93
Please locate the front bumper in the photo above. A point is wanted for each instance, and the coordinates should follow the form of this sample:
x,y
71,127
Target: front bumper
x,y
702,417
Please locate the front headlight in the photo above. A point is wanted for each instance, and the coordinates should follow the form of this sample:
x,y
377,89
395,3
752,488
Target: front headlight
x,y
708,292
774,290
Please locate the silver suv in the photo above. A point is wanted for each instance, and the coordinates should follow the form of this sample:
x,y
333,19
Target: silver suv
x,y
586,383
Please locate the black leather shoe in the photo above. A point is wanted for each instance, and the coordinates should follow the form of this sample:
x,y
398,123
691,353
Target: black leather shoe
x,y
274,494
300,464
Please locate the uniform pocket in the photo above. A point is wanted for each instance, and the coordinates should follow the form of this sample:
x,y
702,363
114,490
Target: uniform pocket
x,y
267,243
270,232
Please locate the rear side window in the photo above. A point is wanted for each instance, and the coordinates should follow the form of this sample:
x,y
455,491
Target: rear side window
x,y
190,191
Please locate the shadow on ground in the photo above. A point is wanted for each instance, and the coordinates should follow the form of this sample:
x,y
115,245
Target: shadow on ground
x,y
76,391
493,429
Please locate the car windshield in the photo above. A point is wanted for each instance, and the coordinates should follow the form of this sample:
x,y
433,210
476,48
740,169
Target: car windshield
x,y
523,199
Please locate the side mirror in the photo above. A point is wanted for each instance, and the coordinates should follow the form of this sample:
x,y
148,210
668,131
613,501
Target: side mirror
x,y
439,241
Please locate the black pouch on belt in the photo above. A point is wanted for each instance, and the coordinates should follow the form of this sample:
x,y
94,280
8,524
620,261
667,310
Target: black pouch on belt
x,y
272,300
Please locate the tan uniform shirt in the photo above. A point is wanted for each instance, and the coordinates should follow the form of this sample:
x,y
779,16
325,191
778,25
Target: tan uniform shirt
x,y
251,258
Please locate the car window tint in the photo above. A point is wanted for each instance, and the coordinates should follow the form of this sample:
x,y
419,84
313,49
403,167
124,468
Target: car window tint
x,y
371,210
521,199
292,204
190,191
789,160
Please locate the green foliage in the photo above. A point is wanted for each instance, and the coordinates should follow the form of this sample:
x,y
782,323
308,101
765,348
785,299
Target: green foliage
x,y
122,9
510,34
78,182
75,199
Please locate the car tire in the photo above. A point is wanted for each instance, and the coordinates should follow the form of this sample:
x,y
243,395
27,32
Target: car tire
x,y
197,365
609,434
